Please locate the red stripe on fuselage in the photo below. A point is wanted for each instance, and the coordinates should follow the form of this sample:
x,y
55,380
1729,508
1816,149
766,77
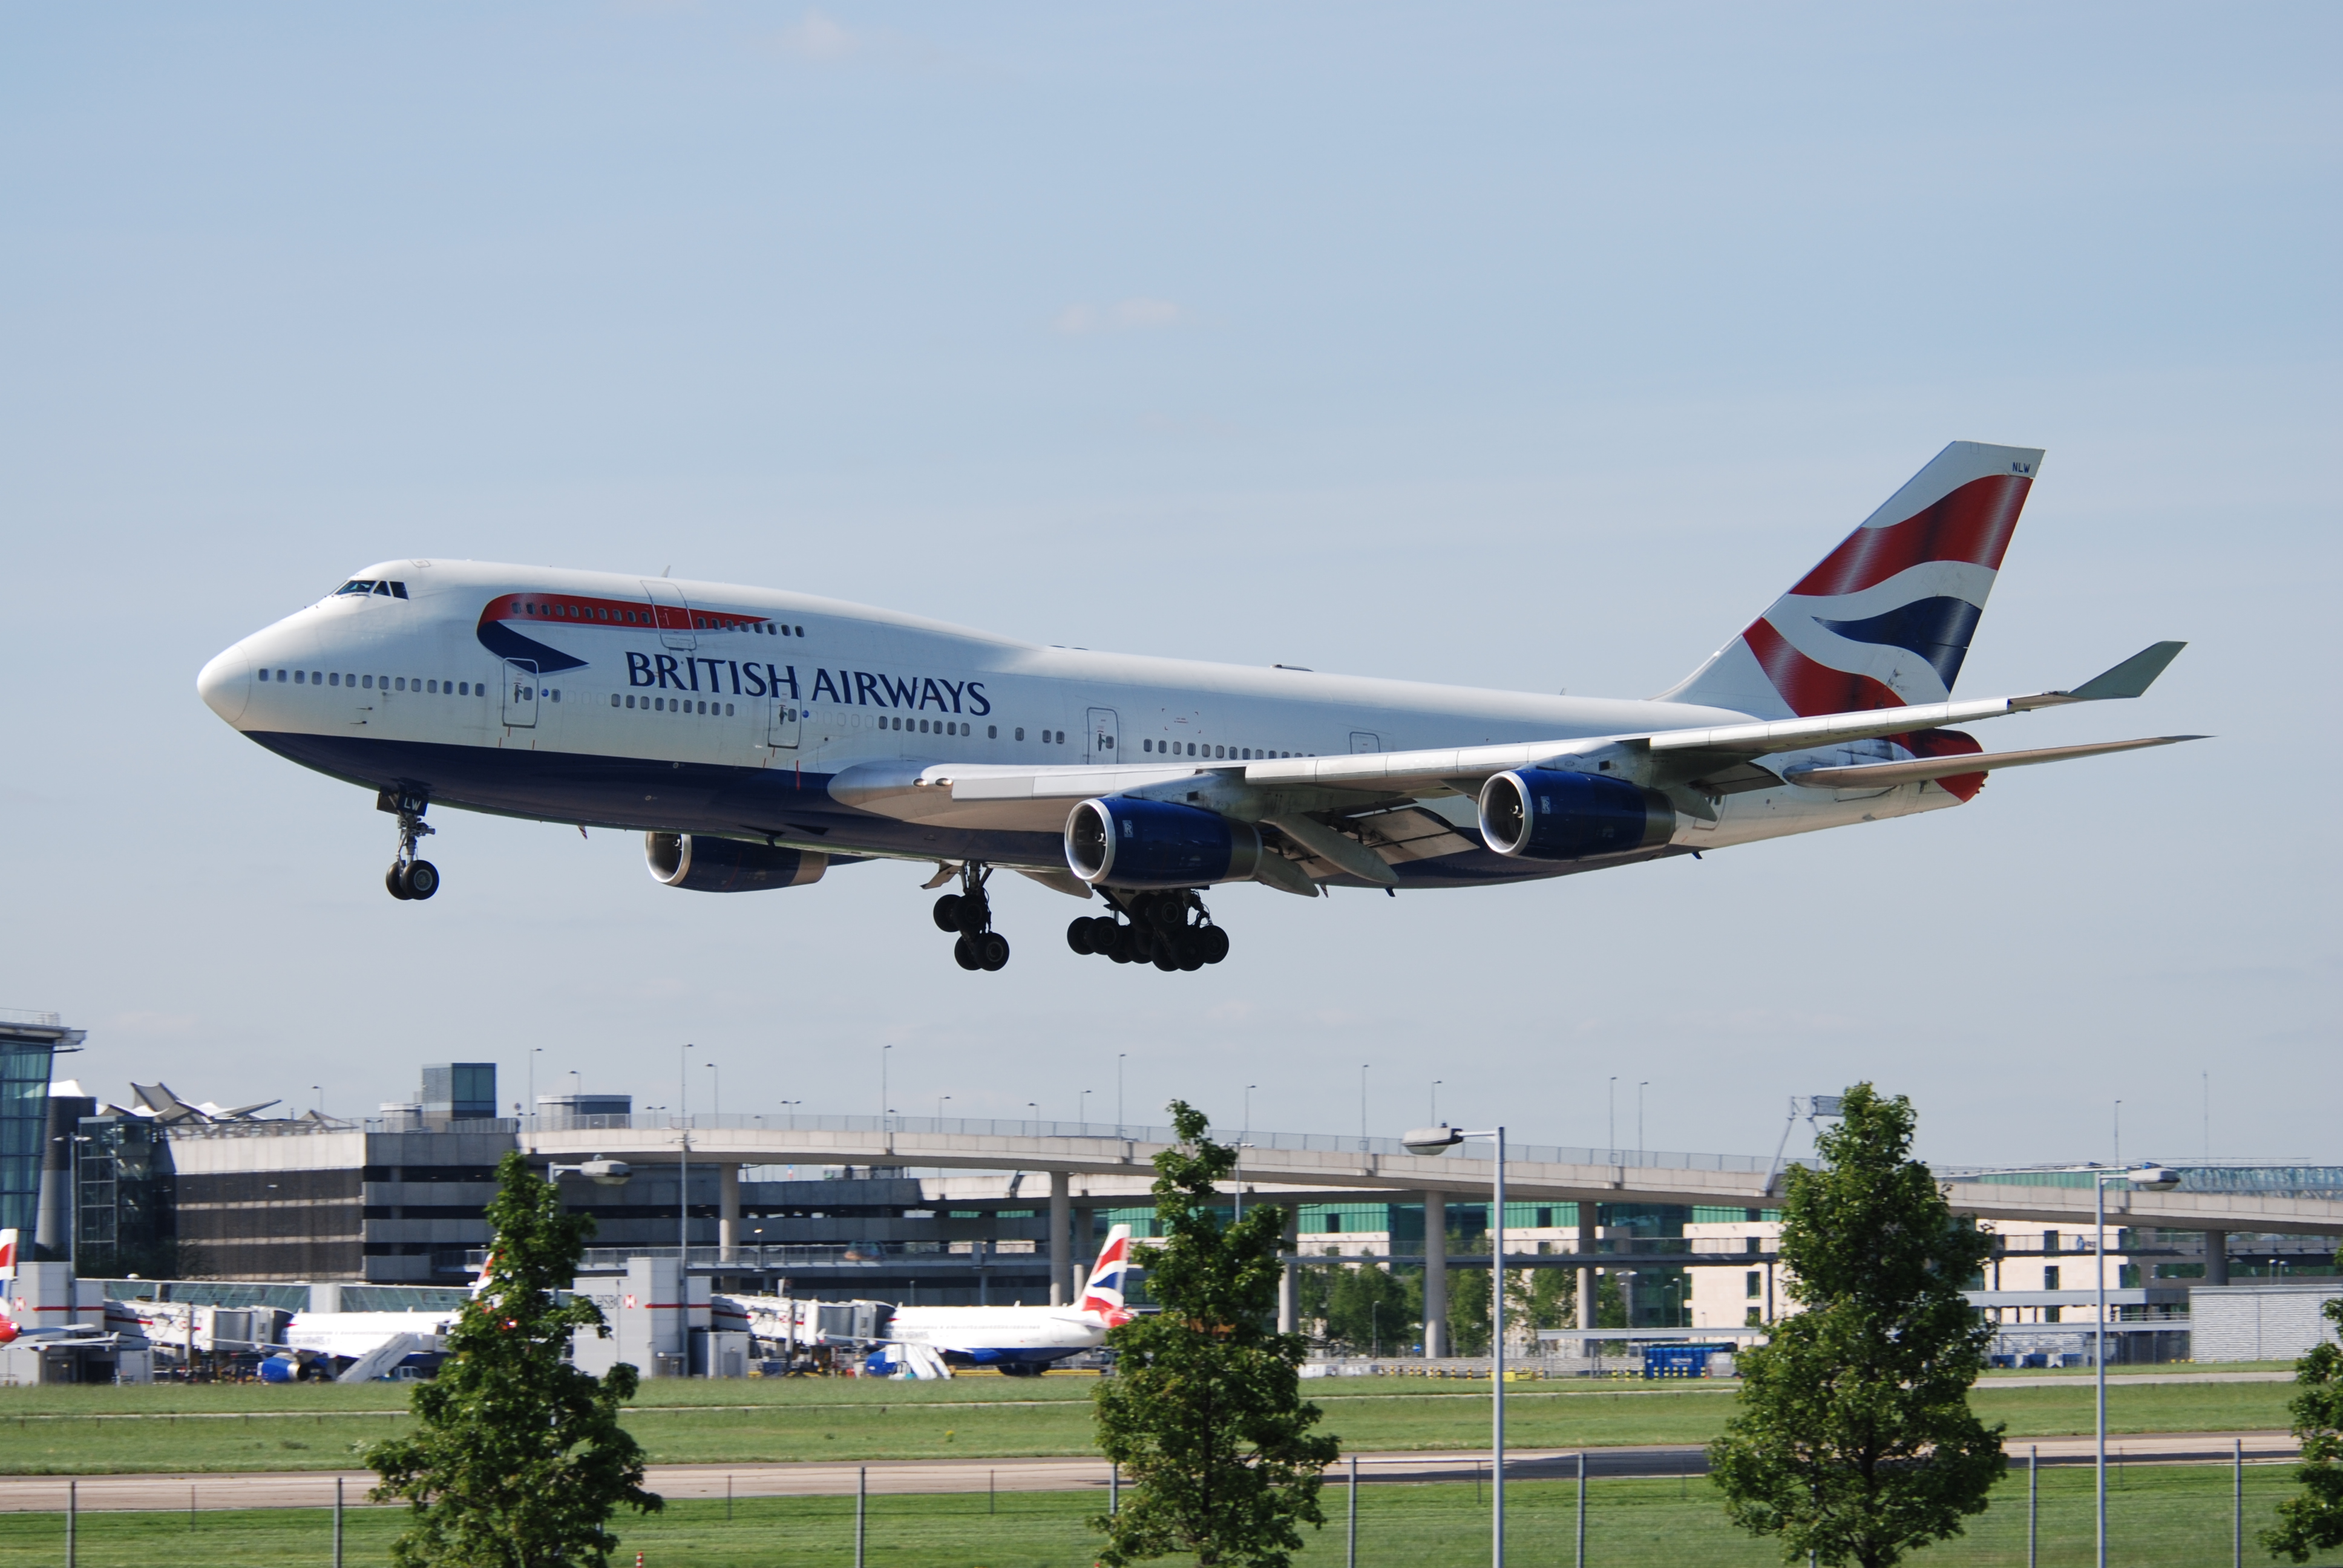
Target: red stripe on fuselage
x,y
575,609
1812,690
1973,524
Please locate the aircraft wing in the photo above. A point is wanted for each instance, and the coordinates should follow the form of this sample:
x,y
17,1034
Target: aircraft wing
x,y
1417,772
1297,796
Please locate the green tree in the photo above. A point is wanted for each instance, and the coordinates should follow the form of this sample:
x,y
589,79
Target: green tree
x,y
1369,1311
1204,1413
2312,1519
1854,1439
1468,1307
1543,1298
517,1459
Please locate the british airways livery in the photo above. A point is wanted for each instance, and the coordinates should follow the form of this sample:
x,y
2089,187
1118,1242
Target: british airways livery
x,y
759,736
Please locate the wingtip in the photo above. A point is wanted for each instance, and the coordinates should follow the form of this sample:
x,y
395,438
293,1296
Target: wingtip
x,y
2133,676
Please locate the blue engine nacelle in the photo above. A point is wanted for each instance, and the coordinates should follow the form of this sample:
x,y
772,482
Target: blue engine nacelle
x,y
727,865
1143,844
1543,814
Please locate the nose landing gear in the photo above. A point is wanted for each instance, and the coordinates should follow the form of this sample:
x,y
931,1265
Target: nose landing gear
x,y
1158,932
970,914
409,877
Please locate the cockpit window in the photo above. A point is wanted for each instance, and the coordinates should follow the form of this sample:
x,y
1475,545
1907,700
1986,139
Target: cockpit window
x,y
355,586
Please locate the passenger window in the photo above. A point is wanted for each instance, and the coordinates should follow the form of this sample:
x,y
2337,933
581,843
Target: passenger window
x,y
992,732
1020,732
556,694
728,710
369,683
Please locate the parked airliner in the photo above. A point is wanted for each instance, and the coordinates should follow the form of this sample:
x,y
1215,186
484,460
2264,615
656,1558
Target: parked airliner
x,y
1023,1341
758,736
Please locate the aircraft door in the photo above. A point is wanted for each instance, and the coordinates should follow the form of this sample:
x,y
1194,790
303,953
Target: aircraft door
x,y
1365,741
787,719
520,693
674,614
1104,744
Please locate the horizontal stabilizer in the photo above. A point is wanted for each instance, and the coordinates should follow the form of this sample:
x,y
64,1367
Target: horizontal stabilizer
x,y
1875,774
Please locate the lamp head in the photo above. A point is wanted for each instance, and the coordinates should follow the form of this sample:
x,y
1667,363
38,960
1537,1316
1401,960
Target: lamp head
x,y
2156,1178
1433,1140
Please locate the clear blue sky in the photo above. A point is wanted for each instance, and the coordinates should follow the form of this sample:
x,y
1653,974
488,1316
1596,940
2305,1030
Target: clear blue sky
x,y
1530,346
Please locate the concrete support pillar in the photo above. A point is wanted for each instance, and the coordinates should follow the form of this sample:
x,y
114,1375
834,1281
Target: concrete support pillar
x,y
2217,1257
728,1213
1586,1272
1289,1300
1085,1253
1435,1275
1061,1224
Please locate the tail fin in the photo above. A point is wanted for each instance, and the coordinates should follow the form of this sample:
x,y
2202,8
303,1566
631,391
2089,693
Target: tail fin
x,y
1103,1293
1885,621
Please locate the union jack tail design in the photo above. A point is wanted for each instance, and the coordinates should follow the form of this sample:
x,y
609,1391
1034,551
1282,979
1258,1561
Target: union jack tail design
x,y
1104,1295
1886,620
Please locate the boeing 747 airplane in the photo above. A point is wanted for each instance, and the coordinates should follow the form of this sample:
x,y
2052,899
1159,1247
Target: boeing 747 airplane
x,y
758,736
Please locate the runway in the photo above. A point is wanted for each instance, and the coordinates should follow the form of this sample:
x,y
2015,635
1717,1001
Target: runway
x,y
315,1489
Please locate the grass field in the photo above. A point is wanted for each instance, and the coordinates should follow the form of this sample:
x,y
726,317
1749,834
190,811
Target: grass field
x,y
95,1431
2161,1517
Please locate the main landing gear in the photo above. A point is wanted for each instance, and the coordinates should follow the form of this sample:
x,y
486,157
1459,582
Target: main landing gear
x,y
1158,932
409,877
969,913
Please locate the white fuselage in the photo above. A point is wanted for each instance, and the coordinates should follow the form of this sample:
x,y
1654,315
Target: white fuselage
x,y
704,708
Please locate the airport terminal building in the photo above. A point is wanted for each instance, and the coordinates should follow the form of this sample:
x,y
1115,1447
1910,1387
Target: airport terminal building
x,y
227,1203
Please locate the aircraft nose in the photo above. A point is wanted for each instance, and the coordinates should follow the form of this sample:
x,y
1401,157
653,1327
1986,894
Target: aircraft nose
x,y
226,684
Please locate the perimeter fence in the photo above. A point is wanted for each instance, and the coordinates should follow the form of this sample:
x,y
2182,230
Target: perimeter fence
x,y
1635,1509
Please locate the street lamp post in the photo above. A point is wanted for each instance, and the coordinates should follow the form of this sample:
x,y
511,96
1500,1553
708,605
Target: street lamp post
x,y
2154,1178
683,1167
1120,1056
1437,1141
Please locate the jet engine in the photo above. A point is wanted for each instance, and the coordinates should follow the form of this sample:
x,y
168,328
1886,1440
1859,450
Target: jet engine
x,y
727,865
1144,844
1543,814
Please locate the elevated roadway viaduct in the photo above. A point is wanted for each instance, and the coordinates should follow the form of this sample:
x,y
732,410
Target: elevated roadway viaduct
x,y
1092,1166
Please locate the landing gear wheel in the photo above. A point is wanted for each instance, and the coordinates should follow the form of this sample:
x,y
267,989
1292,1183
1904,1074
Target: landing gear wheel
x,y
964,954
1124,947
1192,951
991,949
947,912
1078,936
1164,957
408,878
1215,943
